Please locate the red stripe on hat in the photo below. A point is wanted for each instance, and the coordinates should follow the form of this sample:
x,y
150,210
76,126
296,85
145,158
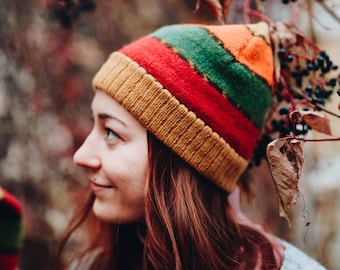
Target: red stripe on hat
x,y
192,90
8,262
12,203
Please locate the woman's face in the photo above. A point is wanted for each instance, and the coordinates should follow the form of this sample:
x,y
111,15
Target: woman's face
x,y
116,156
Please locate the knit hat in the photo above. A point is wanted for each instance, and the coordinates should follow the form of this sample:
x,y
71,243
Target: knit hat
x,y
10,230
202,90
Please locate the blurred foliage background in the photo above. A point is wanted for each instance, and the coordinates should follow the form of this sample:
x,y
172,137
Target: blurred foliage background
x,y
48,56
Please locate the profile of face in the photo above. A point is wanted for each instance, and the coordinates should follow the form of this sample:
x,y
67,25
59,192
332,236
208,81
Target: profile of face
x,y
115,153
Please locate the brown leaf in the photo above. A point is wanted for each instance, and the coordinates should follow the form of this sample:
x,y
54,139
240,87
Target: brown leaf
x,y
220,8
226,9
317,121
282,35
285,161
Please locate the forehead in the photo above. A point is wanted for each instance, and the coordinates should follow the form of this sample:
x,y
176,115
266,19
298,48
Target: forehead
x,y
103,103
103,100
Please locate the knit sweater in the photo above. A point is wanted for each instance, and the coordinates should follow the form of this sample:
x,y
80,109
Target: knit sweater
x,y
295,259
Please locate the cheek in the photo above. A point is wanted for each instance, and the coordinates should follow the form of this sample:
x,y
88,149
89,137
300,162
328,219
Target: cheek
x,y
129,171
136,177
124,203
136,163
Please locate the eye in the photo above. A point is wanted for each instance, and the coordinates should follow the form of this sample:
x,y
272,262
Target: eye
x,y
111,135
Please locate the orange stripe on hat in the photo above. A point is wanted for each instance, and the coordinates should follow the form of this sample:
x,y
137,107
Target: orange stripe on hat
x,y
241,45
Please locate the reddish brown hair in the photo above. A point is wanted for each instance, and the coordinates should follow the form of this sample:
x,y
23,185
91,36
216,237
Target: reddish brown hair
x,y
189,224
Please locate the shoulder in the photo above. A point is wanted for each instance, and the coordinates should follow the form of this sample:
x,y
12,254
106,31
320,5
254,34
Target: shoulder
x,y
294,258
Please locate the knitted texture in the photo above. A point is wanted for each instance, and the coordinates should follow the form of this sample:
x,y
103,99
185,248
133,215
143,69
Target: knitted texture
x,y
10,230
202,90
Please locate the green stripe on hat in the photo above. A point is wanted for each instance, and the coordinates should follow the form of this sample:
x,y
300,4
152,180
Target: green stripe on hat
x,y
204,52
11,235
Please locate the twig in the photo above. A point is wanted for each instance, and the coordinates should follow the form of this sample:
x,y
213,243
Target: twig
x,y
329,10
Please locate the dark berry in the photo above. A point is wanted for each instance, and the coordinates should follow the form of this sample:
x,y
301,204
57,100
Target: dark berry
x,y
281,53
298,132
305,72
329,64
298,81
325,70
327,93
295,74
284,111
310,66
309,89
284,132
331,82
290,58
314,100
323,53
283,65
318,92
321,101
320,61
275,125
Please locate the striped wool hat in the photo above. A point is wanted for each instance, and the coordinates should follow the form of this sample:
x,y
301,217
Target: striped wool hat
x,y
202,90
10,230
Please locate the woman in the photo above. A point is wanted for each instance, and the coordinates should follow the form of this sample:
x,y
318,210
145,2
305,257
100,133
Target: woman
x,y
177,115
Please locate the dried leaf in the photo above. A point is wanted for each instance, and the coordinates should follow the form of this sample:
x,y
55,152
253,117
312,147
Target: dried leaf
x,y
282,35
226,9
285,162
317,121
219,8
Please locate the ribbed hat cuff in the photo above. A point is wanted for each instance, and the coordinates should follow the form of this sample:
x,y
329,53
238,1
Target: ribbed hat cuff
x,y
169,120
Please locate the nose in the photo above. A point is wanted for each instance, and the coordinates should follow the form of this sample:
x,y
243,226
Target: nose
x,y
86,155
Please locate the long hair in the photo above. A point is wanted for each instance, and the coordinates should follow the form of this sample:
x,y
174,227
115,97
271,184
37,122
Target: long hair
x,y
189,224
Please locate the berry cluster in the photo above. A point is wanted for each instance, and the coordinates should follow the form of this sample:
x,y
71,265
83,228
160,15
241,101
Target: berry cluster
x,y
260,150
68,11
307,80
316,72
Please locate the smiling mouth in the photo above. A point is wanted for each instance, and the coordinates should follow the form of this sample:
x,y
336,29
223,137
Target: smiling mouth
x,y
99,186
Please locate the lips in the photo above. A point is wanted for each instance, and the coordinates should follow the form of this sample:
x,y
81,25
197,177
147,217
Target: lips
x,y
99,187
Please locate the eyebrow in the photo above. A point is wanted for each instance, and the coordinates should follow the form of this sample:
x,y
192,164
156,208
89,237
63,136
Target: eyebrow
x,y
106,116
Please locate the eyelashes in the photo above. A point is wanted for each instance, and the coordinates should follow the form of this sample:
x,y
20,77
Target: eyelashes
x,y
110,135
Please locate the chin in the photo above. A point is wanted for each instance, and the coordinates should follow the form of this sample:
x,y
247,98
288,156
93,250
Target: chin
x,y
109,215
